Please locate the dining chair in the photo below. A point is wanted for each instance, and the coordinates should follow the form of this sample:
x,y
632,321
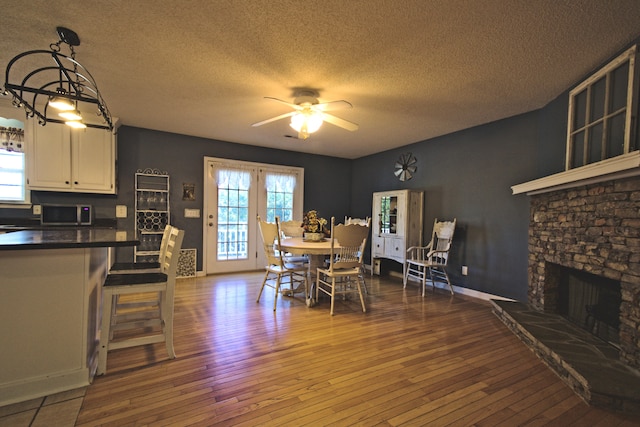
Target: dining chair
x,y
292,228
345,262
141,327
278,271
429,262
359,221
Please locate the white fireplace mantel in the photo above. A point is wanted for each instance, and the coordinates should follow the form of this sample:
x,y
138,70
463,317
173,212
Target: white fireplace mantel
x,y
623,166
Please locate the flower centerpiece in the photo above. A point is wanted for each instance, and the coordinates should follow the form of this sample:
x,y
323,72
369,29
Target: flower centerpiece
x,y
314,226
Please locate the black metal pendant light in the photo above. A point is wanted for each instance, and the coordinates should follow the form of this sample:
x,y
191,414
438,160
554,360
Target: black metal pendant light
x,y
59,88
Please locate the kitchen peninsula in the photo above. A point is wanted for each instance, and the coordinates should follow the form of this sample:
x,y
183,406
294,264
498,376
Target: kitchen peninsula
x,y
50,307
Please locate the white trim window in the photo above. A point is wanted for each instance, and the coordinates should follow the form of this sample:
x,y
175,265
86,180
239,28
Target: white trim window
x,y
13,179
281,192
602,111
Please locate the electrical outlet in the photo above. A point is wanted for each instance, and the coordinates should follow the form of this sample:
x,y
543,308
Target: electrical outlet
x,y
121,211
465,270
37,209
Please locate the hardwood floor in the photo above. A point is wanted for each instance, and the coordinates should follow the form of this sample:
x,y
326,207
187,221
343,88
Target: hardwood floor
x,y
437,361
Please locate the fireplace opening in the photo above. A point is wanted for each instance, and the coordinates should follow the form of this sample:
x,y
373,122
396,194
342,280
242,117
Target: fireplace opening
x,y
591,302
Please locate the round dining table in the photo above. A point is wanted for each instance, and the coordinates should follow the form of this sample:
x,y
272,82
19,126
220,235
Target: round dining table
x,y
315,250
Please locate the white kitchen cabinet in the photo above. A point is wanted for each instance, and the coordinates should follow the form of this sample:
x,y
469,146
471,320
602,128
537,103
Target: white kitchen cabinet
x,y
74,160
396,223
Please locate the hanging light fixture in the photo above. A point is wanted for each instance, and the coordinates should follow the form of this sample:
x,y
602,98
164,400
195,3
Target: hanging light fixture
x,y
63,85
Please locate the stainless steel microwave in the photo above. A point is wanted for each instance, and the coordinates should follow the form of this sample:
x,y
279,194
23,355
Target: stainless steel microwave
x,y
66,215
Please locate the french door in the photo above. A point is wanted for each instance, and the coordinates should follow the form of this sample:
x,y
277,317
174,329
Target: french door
x,y
235,194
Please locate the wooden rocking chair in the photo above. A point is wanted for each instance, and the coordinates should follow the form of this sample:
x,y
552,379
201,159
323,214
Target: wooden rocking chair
x,y
431,260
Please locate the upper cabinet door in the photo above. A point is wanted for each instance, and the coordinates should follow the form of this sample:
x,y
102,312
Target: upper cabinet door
x,y
92,160
49,157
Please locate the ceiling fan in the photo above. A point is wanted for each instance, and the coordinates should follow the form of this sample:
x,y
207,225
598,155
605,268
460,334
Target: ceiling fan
x,y
309,114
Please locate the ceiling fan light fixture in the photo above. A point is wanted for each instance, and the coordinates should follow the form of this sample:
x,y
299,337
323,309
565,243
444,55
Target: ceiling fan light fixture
x,y
309,114
306,121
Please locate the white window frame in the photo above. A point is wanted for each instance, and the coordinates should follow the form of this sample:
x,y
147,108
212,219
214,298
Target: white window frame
x,y
629,110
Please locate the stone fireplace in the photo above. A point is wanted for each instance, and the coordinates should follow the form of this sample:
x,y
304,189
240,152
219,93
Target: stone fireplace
x,y
593,229
582,317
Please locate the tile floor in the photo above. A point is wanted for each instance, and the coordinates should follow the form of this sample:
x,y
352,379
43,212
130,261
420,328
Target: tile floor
x,y
57,410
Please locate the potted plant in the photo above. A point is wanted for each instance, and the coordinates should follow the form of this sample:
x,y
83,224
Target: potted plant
x,y
314,226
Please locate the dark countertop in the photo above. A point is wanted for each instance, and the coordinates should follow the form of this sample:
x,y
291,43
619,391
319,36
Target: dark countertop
x,y
61,238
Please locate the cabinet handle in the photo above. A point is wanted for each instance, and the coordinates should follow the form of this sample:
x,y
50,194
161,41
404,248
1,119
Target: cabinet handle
x,y
75,182
66,182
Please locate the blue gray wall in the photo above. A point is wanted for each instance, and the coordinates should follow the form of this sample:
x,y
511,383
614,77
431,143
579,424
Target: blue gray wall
x,y
467,175
182,157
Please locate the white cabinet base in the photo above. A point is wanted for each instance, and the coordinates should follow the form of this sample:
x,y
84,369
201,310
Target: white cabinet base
x,y
50,303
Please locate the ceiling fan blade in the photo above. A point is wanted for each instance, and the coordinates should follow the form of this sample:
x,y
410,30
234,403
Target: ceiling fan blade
x,y
294,106
403,176
337,121
332,106
397,172
411,169
273,119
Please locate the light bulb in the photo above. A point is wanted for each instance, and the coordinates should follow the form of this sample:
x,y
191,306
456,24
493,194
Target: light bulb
x,y
76,124
60,103
71,115
314,121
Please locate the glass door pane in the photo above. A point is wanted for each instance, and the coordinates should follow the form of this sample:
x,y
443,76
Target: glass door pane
x,y
231,219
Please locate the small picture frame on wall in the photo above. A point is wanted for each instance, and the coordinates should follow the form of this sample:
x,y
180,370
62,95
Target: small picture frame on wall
x,y
188,192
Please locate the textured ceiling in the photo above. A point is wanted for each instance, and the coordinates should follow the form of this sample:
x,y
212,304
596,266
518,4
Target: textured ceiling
x,y
413,69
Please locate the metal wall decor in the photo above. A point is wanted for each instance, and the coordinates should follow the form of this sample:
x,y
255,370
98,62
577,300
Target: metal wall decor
x,y
405,167
56,76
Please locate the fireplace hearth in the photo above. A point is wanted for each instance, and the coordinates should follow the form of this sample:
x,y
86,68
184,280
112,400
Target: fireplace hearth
x,y
588,365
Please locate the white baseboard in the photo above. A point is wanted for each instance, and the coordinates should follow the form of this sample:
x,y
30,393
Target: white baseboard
x,y
459,289
31,388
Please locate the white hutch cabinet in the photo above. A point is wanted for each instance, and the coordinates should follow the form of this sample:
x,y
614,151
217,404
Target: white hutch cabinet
x,y
396,223
73,160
